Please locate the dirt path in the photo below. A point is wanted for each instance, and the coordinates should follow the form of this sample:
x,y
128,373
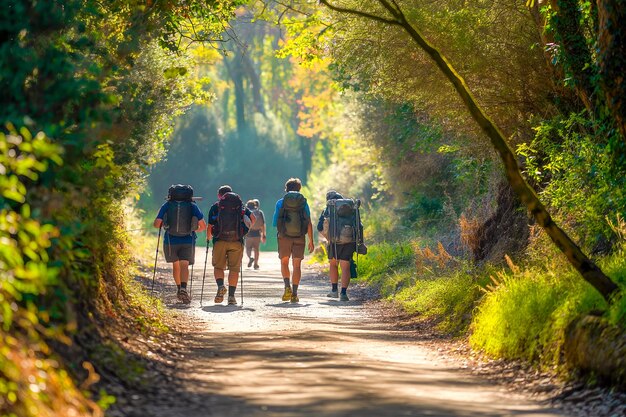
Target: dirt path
x,y
316,358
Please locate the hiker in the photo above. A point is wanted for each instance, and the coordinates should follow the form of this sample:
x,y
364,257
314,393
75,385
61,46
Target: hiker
x,y
181,218
340,224
292,218
227,228
256,234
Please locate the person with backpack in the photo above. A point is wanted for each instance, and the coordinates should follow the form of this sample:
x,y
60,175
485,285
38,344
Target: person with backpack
x,y
292,218
227,229
340,223
256,234
181,218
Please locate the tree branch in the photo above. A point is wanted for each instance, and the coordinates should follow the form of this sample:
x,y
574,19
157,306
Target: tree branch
x,y
360,13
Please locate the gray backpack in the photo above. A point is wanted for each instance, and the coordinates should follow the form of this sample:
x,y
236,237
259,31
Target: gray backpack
x,y
341,224
293,221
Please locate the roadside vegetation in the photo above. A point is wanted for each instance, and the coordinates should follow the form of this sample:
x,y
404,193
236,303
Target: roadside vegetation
x,y
450,240
105,104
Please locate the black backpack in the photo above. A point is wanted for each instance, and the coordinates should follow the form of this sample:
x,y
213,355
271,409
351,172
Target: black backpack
x,y
178,217
293,220
343,220
230,218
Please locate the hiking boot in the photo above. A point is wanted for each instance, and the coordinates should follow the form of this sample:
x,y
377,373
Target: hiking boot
x,y
287,294
294,298
184,297
178,298
250,262
232,300
219,297
343,297
256,266
333,294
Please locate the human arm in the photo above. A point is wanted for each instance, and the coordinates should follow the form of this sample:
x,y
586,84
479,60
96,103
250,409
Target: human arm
x,y
320,222
309,229
211,221
279,205
197,213
263,228
158,222
251,216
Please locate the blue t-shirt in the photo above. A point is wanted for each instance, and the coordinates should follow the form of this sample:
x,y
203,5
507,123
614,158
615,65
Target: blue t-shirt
x,y
279,205
180,240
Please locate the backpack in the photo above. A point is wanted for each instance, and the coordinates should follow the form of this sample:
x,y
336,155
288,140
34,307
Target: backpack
x,y
341,224
260,220
230,218
293,220
178,219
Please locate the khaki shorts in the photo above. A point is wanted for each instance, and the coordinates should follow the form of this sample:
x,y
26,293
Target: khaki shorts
x,y
291,246
227,253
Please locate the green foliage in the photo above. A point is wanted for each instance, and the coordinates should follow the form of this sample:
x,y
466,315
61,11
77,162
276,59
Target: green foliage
x,y
448,299
446,296
525,314
387,266
90,82
573,163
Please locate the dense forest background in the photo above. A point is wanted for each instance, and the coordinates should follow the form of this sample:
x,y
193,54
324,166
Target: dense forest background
x,y
108,103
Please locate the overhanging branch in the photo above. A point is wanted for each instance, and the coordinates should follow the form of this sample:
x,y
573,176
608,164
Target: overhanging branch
x,y
360,13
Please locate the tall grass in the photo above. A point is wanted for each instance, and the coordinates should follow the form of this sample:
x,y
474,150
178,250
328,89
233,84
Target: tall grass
x,y
525,315
446,295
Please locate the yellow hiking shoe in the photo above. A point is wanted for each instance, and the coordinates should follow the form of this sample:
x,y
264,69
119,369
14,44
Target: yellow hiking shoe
x,y
294,298
287,294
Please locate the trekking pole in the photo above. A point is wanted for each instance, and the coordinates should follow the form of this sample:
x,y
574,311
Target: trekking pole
x,y
241,275
191,277
206,256
156,256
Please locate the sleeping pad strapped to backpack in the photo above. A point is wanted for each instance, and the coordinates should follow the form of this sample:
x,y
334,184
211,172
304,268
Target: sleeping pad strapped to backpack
x,y
178,217
230,218
293,220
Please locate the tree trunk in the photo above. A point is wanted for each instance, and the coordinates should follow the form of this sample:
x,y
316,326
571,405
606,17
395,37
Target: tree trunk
x,y
589,271
612,57
255,81
572,40
236,75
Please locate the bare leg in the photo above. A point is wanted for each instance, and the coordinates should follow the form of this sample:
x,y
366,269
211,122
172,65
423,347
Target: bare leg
x,y
345,273
333,272
218,273
176,271
249,247
297,271
257,252
284,267
233,277
184,271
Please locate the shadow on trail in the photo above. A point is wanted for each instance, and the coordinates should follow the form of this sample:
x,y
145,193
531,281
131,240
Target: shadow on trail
x,y
320,357
218,308
289,305
274,374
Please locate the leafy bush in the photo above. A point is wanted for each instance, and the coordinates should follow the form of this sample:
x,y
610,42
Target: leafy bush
x,y
572,160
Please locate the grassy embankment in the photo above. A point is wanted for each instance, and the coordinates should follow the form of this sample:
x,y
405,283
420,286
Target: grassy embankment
x,y
513,312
